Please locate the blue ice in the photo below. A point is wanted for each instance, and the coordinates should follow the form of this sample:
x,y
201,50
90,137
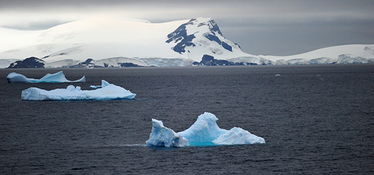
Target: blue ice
x,y
58,77
107,91
204,132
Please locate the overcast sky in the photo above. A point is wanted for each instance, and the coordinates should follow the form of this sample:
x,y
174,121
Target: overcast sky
x,y
276,27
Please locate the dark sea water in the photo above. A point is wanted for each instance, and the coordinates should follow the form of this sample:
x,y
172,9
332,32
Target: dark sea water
x,y
315,120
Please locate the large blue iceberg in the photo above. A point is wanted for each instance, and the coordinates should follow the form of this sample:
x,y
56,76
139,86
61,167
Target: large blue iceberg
x,y
107,91
58,77
204,132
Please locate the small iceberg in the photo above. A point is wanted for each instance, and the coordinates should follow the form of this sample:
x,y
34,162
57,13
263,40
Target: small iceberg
x,y
204,132
106,92
58,77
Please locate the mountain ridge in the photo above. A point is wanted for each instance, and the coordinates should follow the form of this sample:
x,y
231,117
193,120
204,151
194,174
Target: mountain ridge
x,y
111,42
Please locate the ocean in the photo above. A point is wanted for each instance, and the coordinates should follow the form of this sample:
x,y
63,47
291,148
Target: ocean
x,y
316,119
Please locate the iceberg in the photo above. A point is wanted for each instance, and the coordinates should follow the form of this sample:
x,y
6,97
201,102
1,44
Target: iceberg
x,y
204,132
58,77
106,92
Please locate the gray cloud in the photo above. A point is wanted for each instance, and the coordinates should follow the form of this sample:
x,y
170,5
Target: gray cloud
x,y
298,38
36,25
277,27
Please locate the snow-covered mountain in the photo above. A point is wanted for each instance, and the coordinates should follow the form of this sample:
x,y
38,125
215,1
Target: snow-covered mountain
x,y
344,54
115,42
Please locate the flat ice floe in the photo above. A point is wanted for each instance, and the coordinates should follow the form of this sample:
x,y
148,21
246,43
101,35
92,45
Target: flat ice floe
x,y
58,77
107,91
204,132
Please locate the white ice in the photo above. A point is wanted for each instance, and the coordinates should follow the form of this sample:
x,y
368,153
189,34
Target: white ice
x,y
58,77
204,132
106,92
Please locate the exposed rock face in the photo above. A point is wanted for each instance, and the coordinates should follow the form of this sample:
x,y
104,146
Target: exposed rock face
x,y
31,62
209,60
180,37
199,32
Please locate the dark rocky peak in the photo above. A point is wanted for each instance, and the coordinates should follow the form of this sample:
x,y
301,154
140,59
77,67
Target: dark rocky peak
x,y
205,26
180,37
31,62
212,25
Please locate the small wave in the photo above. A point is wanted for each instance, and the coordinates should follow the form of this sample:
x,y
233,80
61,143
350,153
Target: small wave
x,y
118,146
133,145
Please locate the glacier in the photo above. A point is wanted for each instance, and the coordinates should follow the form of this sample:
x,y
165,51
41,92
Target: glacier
x,y
58,77
204,132
107,91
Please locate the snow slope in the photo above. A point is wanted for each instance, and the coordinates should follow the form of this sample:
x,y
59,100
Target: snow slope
x,y
97,38
111,41
344,54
